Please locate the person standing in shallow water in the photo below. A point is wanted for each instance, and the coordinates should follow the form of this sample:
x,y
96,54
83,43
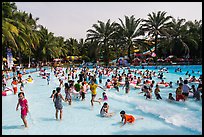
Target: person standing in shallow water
x,y
24,107
58,102
93,88
127,85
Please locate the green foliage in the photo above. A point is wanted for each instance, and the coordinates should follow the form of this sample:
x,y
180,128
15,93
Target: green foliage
x,y
105,40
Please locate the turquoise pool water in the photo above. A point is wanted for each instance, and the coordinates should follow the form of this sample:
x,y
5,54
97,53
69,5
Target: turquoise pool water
x,y
160,116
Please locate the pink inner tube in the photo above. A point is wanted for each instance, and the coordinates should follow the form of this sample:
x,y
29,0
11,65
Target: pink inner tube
x,y
4,93
7,91
163,85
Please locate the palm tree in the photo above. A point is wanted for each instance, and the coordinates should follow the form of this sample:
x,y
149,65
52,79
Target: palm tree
x,y
28,38
47,45
156,25
9,29
102,33
195,35
178,35
130,30
72,46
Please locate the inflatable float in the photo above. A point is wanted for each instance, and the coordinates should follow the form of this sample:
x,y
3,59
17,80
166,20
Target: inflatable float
x,y
7,91
163,85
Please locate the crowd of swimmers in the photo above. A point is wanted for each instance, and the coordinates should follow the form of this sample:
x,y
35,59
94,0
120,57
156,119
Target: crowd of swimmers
x,y
76,85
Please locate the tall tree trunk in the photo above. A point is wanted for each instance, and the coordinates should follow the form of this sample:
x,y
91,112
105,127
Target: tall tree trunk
x,y
129,48
156,37
106,56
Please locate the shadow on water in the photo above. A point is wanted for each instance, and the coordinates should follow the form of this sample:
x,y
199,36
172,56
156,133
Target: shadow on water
x,y
82,107
117,124
48,119
13,127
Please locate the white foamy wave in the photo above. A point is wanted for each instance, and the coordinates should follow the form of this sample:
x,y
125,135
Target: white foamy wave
x,y
175,114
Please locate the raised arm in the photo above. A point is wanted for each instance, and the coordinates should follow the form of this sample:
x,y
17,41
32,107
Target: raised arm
x,y
101,88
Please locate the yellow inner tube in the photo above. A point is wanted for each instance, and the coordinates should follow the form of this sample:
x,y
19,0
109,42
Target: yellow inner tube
x,y
30,80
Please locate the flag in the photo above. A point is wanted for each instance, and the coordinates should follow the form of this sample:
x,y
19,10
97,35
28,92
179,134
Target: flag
x,y
9,58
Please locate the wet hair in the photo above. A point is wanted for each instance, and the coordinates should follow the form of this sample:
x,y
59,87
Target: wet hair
x,y
53,91
185,81
122,112
105,104
180,84
170,94
21,93
145,87
58,89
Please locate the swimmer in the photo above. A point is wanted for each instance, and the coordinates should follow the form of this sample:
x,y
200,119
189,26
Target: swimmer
x,y
14,84
179,94
104,97
127,118
48,78
170,84
127,85
171,98
156,92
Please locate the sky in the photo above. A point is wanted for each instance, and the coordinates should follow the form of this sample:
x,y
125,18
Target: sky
x,y
73,19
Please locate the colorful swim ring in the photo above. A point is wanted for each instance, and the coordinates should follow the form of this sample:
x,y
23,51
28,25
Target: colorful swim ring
x,y
109,86
7,91
30,81
161,85
194,82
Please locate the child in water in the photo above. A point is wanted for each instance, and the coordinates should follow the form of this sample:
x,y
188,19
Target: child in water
x,y
58,102
104,97
24,107
48,78
127,85
104,111
171,98
127,118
